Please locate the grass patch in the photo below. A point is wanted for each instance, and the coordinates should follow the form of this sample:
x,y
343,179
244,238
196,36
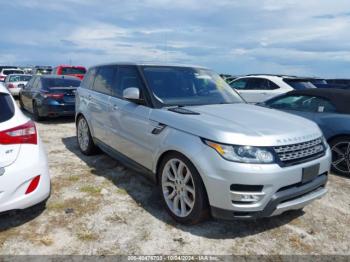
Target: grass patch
x,y
121,191
73,178
87,235
91,190
55,206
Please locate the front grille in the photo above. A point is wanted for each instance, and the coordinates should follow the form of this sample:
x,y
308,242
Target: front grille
x,y
299,153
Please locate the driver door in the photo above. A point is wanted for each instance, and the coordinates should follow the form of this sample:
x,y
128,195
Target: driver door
x,y
131,128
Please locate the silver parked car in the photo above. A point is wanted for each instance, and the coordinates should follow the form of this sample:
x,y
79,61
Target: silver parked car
x,y
15,83
208,150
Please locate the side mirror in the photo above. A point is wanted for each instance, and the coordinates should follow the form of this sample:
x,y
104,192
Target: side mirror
x,y
132,94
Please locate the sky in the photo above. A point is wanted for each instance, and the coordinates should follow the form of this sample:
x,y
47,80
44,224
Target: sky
x,y
298,37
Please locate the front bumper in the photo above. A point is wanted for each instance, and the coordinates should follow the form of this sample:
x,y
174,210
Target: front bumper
x,y
281,188
293,198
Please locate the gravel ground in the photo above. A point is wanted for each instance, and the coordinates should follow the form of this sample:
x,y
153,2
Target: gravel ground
x,y
99,207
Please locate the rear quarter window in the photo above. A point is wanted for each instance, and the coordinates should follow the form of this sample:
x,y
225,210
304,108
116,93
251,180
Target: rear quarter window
x,y
7,107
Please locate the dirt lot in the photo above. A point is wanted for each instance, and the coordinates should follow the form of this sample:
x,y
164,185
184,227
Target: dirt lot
x,y
100,207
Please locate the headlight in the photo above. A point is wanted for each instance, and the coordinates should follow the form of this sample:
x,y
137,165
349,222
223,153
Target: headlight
x,y
243,154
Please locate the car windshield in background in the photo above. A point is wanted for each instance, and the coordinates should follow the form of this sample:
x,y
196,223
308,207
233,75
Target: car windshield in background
x,y
188,86
73,71
10,72
43,71
299,83
7,108
60,82
20,78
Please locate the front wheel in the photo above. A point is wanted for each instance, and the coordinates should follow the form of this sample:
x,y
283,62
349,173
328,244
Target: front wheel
x,y
85,141
183,191
341,155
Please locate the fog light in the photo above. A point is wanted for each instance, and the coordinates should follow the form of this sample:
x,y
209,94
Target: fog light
x,y
247,198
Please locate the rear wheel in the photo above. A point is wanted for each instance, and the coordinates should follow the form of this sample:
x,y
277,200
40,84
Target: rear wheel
x,y
85,141
36,114
341,155
183,191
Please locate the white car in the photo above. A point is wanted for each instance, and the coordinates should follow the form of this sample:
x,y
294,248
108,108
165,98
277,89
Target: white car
x,y
259,88
8,71
24,173
15,83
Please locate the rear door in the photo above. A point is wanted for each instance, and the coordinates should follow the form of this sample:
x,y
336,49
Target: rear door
x,y
261,89
131,126
99,101
253,89
26,92
8,153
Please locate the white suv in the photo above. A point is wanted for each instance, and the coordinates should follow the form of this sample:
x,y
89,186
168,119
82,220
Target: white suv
x,y
259,88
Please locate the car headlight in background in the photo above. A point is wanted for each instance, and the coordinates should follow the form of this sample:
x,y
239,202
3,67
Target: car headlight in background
x,y
243,154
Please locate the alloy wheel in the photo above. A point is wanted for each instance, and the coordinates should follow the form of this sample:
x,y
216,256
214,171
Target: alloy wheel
x,y
83,134
341,157
178,187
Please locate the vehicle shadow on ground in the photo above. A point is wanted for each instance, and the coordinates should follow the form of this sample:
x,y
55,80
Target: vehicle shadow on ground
x,y
146,194
51,121
14,219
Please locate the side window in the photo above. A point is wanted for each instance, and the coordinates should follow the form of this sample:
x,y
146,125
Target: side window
x,y
104,79
257,84
35,84
89,78
128,76
240,84
271,85
30,83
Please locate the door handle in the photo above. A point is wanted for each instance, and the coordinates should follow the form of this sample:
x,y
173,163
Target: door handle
x,y
115,107
89,97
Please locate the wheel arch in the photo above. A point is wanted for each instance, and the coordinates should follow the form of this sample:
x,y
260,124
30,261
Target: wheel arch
x,y
332,138
170,151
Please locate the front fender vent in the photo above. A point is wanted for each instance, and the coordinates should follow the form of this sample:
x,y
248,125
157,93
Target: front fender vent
x,y
184,111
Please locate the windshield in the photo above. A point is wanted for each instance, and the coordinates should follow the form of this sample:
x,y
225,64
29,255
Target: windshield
x,y
60,82
299,83
42,71
188,86
73,71
10,72
20,78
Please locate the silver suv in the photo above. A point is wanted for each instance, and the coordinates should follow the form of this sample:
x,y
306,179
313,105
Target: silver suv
x,y
208,150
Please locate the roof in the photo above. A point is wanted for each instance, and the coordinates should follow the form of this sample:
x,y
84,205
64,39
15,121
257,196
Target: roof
x,y
150,64
58,76
71,66
19,75
340,98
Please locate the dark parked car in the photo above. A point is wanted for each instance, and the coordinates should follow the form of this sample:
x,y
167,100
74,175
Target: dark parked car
x,y
49,96
341,82
324,83
330,109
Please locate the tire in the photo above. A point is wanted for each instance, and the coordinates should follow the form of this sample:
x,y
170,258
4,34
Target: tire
x,y
188,192
340,147
84,138
36,115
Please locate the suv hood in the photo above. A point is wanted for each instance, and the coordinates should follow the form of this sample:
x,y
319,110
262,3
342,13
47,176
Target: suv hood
x,y
240,124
